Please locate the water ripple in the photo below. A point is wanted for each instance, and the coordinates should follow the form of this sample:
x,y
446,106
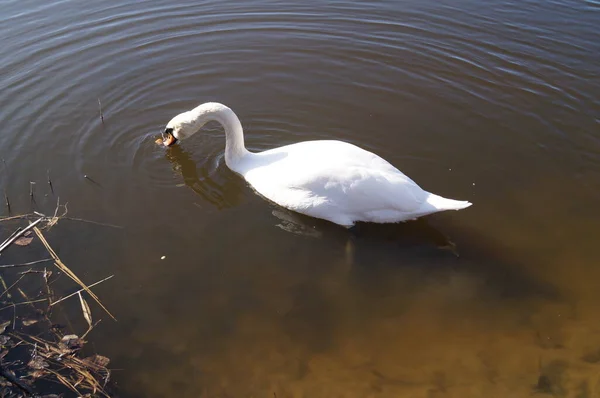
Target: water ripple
x,y
148,63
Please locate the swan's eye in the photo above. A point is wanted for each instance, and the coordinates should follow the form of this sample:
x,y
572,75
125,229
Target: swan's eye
x,y
169,131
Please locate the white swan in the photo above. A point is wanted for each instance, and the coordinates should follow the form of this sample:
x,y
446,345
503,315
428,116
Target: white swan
x,y
332,180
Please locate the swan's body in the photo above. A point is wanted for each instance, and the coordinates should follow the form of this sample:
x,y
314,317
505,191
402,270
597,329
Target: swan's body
x,y
332,180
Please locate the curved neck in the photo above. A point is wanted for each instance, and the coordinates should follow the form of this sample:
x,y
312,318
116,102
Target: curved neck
x,y
235,149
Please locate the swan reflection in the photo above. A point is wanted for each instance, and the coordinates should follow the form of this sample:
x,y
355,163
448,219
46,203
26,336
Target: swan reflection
x,y
215,185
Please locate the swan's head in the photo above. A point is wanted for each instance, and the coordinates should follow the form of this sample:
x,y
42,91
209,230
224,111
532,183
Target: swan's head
x,y
183,126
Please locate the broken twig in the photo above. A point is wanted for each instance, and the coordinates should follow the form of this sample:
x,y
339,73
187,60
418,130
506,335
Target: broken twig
x,y
81,290
10,240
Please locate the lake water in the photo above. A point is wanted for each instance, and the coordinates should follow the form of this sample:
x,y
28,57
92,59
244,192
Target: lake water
x,y
496,102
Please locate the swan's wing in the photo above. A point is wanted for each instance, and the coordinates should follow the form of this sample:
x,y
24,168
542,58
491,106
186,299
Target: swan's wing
x,y
335,174
360,189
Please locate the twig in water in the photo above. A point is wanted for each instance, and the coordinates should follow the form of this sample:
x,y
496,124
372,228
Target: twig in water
x,y
90,179
70,273
24,303
31,184
13,285
81,290
50,182
48,291
65,382
54,219
30,271
29,301
19,216
90,329
57,206
25,264
101,113
5,287
7,201
92,222
10,240
12,235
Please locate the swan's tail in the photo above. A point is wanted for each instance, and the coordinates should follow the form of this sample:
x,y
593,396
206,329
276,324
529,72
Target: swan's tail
x,y
442,204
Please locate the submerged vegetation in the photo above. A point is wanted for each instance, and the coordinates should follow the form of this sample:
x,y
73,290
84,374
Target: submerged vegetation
x,y
39,357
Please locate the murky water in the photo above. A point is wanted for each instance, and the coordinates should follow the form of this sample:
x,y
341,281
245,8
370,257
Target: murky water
x,y
495,102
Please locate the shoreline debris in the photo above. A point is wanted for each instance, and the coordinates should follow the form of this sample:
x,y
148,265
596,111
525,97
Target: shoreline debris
x,y
37,355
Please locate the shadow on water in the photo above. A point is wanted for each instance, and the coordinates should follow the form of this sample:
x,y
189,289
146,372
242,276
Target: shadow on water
x,y
425,248
218,187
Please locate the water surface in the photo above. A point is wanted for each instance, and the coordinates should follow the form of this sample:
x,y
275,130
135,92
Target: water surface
x,y
495,102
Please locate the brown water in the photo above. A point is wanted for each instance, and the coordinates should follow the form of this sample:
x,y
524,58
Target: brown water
x,y
495,102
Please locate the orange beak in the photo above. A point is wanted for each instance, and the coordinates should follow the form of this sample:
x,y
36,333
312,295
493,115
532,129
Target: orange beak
x,y
169,139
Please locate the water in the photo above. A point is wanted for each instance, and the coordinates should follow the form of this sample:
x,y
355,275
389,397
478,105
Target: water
x,y
496,103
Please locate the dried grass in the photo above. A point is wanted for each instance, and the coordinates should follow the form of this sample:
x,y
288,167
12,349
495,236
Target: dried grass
x,y
52,356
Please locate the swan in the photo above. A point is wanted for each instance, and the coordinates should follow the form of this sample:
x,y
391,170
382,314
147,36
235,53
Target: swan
x,y
332,180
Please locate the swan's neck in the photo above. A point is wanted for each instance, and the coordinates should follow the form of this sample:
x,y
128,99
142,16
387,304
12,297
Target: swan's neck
x,y
235,149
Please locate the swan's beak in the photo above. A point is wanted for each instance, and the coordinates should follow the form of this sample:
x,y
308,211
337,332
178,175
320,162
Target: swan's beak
x,y
169,139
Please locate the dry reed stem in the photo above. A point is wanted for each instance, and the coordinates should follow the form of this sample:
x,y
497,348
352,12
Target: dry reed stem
x,y
15,217
79,291
62,217
25,264
90,329
64,381
5,287
14,237
15,232
66,270
93,222
24,303
6,290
